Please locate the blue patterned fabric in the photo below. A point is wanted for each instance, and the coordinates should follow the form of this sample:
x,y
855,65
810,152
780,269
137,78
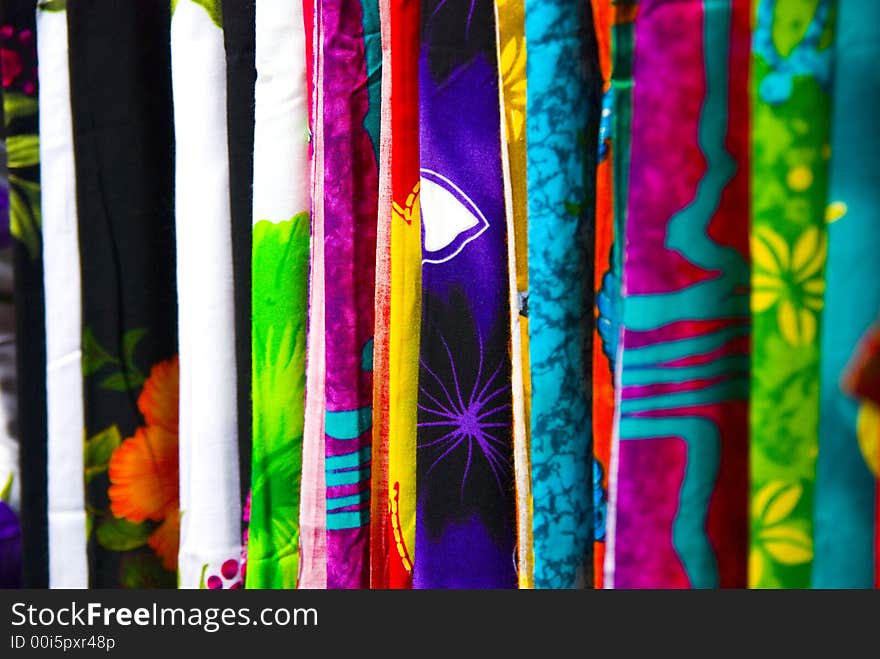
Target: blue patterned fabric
x,y
564,104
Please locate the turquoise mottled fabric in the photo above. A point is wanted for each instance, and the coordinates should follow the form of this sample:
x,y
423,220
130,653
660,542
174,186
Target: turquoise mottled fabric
x,y
562,126
844,496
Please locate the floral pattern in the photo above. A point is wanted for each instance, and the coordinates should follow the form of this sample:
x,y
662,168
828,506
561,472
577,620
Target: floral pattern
x,y
789,280
142,471
18,61
790,151
778,536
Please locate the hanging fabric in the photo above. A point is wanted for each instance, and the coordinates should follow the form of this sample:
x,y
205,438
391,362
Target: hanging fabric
x,y
238,36
210,505
21,130
681,476
398,291
350,77
68,563
280,261
122,138
846,478
615,133
313,504
511,54
792,47
466,502
562,126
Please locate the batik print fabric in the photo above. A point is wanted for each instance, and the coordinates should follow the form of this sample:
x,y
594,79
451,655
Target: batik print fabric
x,y
350,52
210,504
511,53
280,261
562,122
123,145
394,454
68,564
465,516
18,47
792,47
681,480
845,509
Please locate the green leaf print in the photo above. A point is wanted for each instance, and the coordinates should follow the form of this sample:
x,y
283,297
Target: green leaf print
x,y
93,355
16,105
279,288
790,22
6,489
24,213
22,151
99,449
122,382
119,534
130,341
53,5
144,571
213,7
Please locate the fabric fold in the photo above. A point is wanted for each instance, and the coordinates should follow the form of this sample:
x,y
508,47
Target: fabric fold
x,y
682,476
511,54
849,451
241,73
350,80
562,123
790,89
280,263
210,504
466,500
123,152
68,562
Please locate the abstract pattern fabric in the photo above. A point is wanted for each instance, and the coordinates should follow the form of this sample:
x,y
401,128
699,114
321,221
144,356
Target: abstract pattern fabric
x,y
350,52
681,474
562,120
791,84
465,516
394,483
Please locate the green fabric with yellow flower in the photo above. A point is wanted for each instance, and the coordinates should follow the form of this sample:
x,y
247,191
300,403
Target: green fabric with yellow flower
x,y
791,78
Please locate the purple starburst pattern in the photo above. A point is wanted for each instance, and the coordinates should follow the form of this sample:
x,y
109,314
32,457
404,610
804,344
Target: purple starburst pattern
x,y
470,417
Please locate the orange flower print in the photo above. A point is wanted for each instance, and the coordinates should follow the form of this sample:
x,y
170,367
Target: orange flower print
x,y
144,476
158,399
144,470
165,540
